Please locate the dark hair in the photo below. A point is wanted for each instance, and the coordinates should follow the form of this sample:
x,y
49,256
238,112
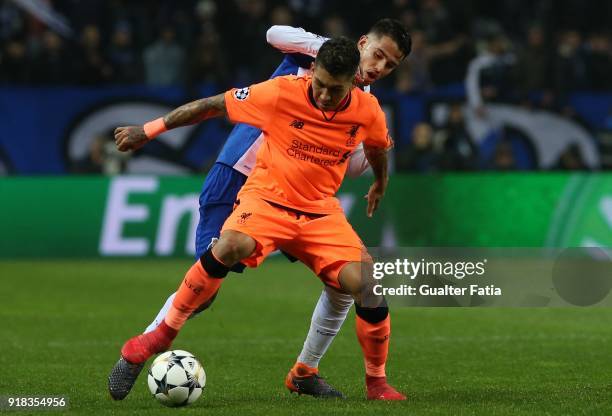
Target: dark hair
x,y
339,56
394,29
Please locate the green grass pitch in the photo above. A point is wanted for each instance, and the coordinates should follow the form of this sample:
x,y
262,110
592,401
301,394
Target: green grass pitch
x,y
63,323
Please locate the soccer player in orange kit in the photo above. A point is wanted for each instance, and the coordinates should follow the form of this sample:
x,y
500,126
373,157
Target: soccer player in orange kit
x,y
310,125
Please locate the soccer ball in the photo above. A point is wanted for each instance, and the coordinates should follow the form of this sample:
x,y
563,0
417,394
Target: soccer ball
x,y
176,378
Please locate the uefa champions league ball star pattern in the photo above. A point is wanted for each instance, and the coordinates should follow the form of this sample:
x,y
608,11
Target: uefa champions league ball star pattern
x,y
176,378
242,94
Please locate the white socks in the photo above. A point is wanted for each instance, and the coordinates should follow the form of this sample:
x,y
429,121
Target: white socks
x,y
327,318
161,314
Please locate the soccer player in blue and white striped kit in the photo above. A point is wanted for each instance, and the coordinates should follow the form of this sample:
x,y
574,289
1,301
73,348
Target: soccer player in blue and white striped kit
x,y
382,49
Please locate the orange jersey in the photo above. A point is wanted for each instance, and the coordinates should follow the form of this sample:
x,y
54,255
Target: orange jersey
x,y
303,157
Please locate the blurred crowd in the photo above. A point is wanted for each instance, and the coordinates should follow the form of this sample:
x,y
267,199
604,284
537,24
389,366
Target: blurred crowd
x,y
556,46
530,52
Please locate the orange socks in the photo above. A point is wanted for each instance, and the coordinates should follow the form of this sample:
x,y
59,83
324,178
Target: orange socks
x,y
374,340
196,288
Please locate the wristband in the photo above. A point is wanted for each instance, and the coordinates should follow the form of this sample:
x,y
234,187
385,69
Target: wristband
x,y
154,128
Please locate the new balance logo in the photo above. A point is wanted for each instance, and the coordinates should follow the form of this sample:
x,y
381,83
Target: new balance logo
x,y
344,157
298,124
326,333
243,217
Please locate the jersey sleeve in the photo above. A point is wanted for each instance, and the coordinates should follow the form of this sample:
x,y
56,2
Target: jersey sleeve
x,y
290,39
253,105
358,163
378,133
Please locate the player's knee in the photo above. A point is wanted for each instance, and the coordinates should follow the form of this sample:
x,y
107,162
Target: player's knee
x,y
232,247
350,279
356,281
372,315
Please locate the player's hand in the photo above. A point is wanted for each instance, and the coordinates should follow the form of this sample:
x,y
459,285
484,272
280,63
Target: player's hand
x,y
375,194
130,138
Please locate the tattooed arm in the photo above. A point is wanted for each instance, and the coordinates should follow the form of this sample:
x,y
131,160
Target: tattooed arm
x,y
196,111
134,137
377,158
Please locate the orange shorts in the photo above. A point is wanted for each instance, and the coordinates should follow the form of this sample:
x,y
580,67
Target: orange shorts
x,y
324,243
